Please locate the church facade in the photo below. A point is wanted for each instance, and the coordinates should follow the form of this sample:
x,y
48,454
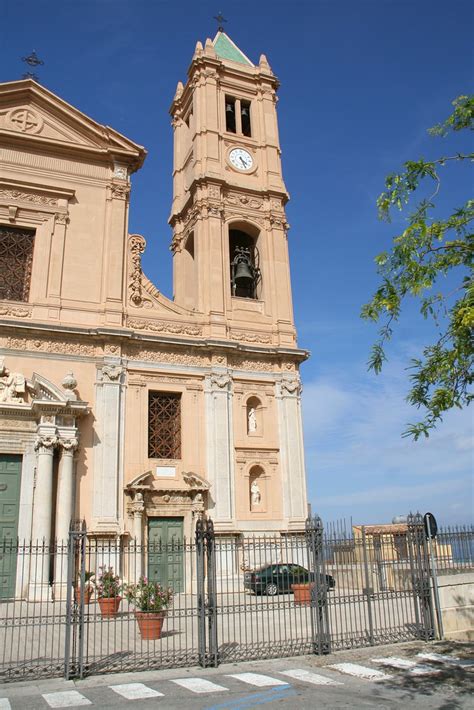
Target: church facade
x,y
119,406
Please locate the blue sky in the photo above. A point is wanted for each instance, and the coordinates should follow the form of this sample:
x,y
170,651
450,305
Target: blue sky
x,y
360,83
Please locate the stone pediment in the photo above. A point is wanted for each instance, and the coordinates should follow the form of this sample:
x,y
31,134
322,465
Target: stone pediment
x,y
29,112
190,482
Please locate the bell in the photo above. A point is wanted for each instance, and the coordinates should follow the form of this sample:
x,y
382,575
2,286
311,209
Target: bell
x,y
245,111
243,274
229,108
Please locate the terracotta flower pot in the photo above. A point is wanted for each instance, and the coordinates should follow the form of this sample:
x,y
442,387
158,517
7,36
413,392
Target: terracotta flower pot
x,y
302,593
109,606
150,624
88,592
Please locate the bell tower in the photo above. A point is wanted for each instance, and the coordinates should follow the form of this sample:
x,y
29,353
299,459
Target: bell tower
x,y
228,215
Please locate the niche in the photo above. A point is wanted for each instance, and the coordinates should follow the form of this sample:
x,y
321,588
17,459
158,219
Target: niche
x,y
254,417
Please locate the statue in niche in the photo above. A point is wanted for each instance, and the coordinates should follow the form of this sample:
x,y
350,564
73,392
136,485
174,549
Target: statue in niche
x,y
255,494
252,420
12,385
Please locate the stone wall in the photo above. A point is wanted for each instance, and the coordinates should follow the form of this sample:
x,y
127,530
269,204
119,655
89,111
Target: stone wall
x,y
456,593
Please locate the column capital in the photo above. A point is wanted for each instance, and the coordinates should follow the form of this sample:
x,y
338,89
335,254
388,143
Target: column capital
x,y
46,444
68,446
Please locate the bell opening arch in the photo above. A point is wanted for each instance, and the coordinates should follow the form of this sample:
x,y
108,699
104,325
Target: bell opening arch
x,y
244,260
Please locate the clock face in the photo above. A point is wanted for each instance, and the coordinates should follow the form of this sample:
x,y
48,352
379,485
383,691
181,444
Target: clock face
x,y
241,159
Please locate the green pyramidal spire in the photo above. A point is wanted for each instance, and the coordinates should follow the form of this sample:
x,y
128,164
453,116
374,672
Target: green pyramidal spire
x,y
226,49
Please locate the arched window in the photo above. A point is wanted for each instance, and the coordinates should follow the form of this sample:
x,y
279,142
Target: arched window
x,y
245,275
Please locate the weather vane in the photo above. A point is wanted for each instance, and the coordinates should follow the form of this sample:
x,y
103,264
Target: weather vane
x,y
220,19
33,61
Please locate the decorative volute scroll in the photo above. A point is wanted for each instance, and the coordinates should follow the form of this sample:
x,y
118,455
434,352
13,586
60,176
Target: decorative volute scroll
x,y
136,244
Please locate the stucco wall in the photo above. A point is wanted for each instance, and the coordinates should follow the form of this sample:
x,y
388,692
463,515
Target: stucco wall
x,y
456,593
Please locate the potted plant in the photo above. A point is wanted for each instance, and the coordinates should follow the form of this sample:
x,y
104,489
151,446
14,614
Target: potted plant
x,y
109,587
89,587
151,602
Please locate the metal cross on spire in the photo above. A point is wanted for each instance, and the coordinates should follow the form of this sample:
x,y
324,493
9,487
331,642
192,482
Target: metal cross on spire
x,y
33,61
220,19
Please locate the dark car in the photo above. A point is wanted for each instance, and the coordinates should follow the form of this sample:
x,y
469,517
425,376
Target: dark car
x,y
278,578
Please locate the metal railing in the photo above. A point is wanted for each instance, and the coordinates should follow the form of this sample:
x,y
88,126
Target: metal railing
x,y
235,597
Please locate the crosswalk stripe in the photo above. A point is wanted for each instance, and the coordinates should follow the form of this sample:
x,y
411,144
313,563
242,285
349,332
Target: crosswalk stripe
x,y
66,699
256,679
394,662
450,660
5,704
135,691
423,669
359,671
199,685
309,677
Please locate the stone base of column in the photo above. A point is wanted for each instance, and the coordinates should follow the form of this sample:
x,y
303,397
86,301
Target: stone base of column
x,y
39,592
60,592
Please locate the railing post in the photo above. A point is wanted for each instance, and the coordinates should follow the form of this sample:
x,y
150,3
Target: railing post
x,y
420,572
74,659
368,590
213,654
201,600
321,637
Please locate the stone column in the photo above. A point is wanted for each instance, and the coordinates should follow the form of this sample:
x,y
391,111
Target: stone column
x,y
220,449
64,513
42,519
136,558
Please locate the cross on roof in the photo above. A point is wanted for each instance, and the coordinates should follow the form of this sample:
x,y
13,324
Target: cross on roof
x,y
220,19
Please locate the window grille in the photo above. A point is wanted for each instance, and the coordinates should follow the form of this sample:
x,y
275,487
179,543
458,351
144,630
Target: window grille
x,y
164,425
16,259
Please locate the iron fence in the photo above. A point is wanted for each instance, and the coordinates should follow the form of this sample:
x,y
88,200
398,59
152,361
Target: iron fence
x,y
453,549
235,597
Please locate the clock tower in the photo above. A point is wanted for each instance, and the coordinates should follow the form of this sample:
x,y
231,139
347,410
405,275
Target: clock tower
x,y
228,217
231,273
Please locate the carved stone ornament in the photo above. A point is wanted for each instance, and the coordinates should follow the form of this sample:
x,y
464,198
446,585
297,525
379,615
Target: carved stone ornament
x,y
13,385
137,246
220,381
247,337
24,120
61,218
62,347
237,199
195,481
15,311
120,191
173,358
164,327
138,505
243,363
22,196
111,373
291,385
68,444
47,443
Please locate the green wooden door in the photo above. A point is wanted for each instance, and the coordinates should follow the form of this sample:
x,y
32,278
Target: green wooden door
x,y
10,477
165,556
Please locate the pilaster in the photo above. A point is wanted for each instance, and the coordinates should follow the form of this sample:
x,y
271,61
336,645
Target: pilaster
x,y
108,456
220,449
292,452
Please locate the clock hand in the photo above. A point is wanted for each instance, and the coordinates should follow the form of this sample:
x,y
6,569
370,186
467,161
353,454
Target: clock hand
x,y
242,161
